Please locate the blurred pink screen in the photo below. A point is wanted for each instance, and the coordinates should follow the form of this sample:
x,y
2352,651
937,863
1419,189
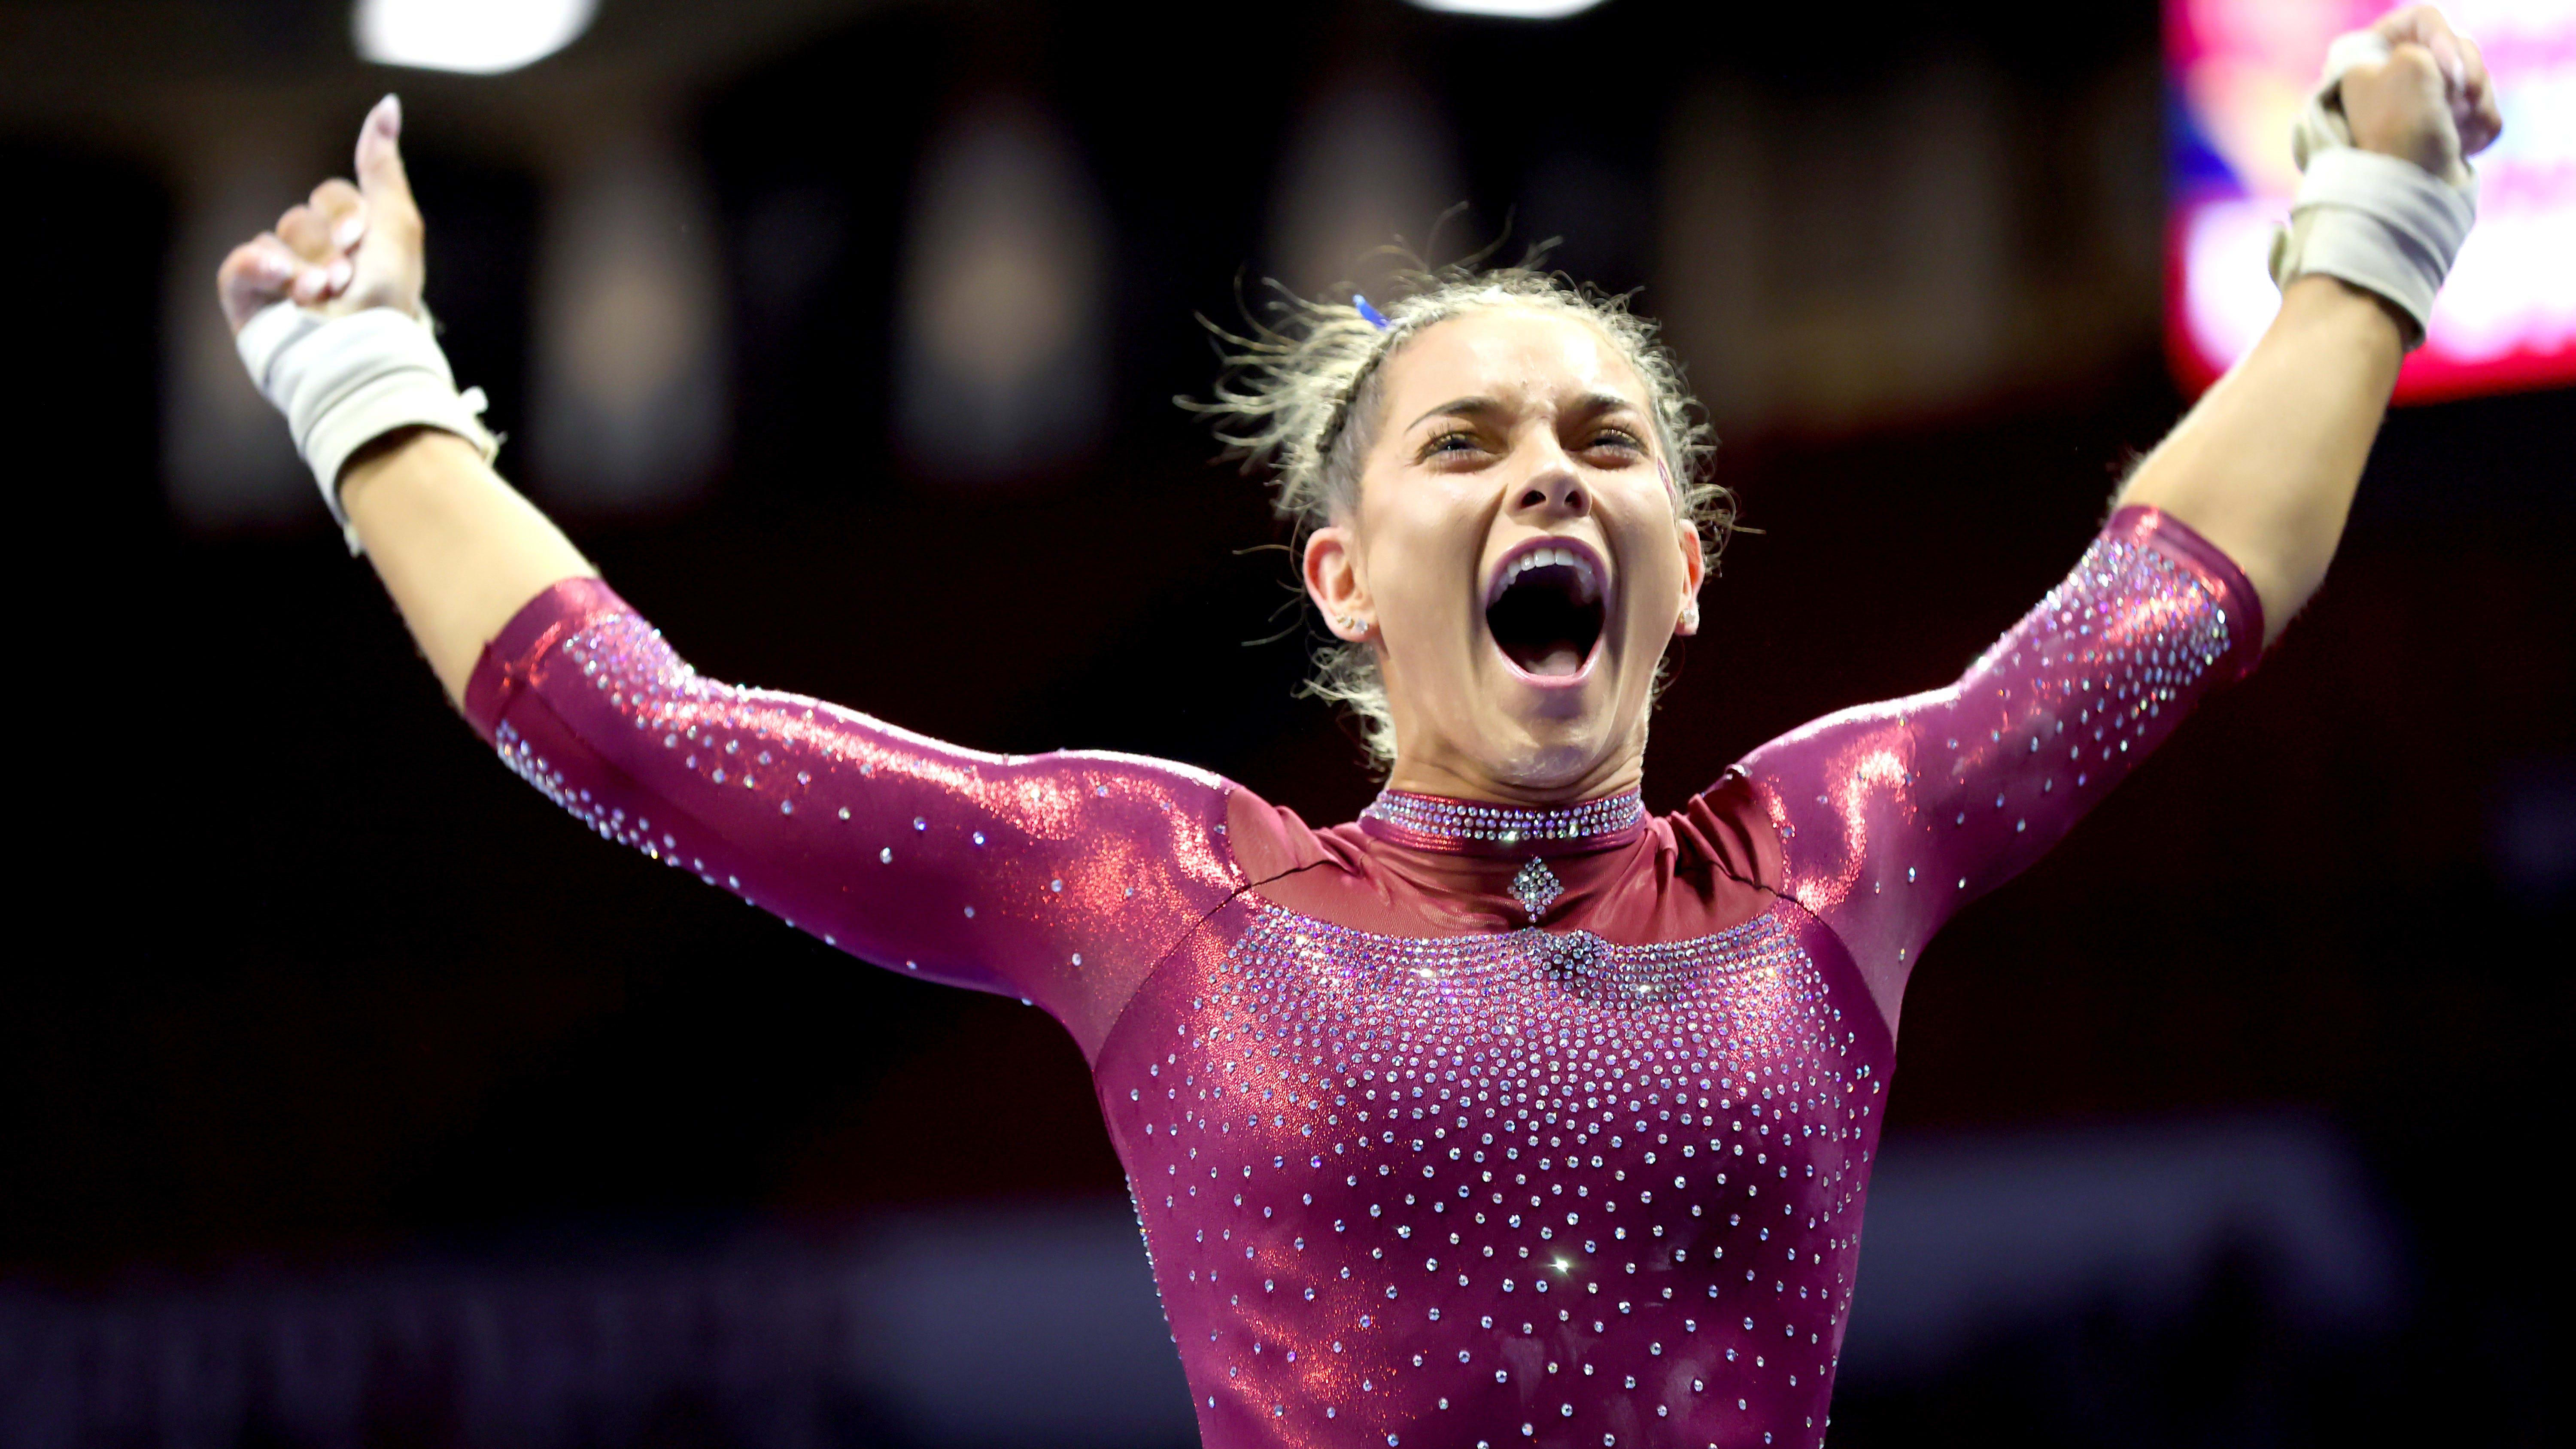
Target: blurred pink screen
x,y
2240,71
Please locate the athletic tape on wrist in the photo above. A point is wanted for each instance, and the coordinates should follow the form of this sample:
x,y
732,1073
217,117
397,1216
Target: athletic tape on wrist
x,y
344,382
2381,223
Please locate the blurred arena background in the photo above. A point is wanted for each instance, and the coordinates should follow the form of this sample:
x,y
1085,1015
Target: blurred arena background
x,y
351,1095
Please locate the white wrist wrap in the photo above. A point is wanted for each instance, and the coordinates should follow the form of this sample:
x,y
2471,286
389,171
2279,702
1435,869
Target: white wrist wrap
x,y
343,382
2383,224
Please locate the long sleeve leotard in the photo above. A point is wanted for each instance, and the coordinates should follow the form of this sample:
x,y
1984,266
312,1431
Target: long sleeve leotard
x,y
1456,1124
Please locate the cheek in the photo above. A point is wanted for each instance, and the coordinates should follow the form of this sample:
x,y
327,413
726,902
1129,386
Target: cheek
x,y
1656,577
1418,558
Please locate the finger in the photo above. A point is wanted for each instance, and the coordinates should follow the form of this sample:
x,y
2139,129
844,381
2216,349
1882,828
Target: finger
x,y
2484,125
2417,68
2420,72
389,260
255,275
2481,118
312,285
308,238
2446,54
381,177
2467,92
2476,81
2426,26
307,232
2398,26
341,206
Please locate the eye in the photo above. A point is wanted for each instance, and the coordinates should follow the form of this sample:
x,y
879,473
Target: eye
x,y
1455,440
1619,438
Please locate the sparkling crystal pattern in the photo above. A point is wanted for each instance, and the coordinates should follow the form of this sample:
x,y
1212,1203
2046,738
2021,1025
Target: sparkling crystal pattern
x,y
1536,888
1060,879
1892,816
1595,1181
1525,1188
1432,822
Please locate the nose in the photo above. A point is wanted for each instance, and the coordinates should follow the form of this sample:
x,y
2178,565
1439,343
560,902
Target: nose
x,y
1552,492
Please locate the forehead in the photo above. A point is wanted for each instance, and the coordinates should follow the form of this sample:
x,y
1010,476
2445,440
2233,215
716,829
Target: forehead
x,y
1515,355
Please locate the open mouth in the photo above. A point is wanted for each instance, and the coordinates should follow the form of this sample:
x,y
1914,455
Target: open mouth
x,y
1545,609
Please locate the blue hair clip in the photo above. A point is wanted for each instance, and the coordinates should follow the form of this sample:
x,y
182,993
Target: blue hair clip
x,y
1369,314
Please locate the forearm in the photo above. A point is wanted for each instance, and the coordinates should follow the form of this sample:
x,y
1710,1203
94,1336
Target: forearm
x,y
2265,466
459,549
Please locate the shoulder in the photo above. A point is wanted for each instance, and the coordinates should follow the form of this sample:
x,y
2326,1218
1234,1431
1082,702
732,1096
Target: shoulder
x,y
1102,796
1270,841
1734,828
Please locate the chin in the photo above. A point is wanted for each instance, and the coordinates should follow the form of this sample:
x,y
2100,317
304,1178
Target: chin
x,y
1547,735
1553,754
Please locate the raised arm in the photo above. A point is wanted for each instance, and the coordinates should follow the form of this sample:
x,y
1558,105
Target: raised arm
x,y
1060,878
458,548
2265,465
1893,816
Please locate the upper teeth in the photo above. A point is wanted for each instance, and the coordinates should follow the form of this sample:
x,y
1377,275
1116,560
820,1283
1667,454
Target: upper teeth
x,y
1587,584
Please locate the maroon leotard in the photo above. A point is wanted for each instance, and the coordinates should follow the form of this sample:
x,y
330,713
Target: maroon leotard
x,y
1455,1125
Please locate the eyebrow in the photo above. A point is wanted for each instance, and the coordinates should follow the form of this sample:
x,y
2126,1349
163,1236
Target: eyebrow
x,y
1590,404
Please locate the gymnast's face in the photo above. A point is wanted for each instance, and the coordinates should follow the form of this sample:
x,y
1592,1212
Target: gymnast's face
x,y
1516,557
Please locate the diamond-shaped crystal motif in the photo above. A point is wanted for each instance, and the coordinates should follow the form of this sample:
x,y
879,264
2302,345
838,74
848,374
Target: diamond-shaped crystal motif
x,y
1536,887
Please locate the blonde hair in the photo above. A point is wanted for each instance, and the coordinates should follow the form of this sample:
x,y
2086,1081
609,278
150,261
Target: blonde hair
x,y
1300,396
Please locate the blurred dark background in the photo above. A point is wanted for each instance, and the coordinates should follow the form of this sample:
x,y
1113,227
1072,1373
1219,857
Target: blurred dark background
x,y
349,1093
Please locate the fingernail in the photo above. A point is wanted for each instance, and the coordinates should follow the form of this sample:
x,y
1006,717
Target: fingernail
x,y
338,276
346,234
388,115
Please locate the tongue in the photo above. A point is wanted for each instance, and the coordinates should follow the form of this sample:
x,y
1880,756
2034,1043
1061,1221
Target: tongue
x,y
1559,661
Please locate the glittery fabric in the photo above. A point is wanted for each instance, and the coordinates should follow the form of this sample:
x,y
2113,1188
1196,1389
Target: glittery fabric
x,y
1532,1187
1893,816
1061,879
1433,1141
1430,822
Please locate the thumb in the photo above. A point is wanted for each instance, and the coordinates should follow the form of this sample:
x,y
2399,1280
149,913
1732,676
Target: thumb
x,y
390,267
381,176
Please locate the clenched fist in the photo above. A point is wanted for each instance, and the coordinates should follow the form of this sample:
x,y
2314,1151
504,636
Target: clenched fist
x,y
2430,102
346,249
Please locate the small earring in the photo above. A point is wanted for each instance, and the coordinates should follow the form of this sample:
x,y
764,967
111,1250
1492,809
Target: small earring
x,y
1353,625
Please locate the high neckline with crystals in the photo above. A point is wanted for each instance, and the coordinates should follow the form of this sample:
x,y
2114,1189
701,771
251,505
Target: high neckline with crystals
x,y
1482,827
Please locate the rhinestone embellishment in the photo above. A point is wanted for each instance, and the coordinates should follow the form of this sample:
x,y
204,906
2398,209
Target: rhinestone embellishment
x,y
1567,1188
1440,818
1536,888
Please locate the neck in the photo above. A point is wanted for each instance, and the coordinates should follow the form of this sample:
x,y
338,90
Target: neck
x,y
1467,780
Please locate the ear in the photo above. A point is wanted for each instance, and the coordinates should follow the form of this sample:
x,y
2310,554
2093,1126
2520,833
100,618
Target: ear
x,y
1333,582
1694,573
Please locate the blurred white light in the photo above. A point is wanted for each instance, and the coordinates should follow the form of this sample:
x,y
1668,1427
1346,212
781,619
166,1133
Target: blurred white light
x,y
478,37
1002,360
1511,9
629,383
2228,296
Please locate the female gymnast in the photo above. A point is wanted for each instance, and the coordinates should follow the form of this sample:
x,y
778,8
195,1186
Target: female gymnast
x,y
1508,1113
